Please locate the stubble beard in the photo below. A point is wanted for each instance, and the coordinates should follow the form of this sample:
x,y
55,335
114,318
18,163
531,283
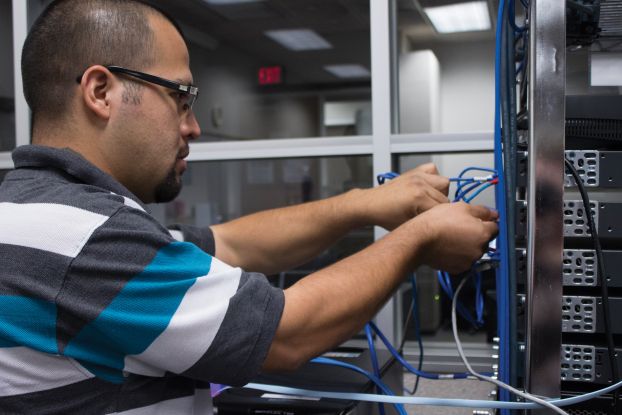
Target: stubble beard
x,y
169,188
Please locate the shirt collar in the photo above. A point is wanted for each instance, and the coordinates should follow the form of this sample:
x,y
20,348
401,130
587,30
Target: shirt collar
x,y
72,163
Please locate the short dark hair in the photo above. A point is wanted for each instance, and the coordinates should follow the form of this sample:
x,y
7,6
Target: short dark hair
x,y
72,35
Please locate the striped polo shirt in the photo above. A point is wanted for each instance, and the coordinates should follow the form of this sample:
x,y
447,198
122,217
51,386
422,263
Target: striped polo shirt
x,y
103,311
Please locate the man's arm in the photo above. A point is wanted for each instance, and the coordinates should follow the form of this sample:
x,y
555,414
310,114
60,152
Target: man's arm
x,y
281,239
329,306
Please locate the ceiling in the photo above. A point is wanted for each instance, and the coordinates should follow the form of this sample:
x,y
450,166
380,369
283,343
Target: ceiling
x,y
344,23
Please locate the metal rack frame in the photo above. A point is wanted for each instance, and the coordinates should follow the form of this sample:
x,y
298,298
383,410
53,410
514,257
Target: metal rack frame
x,y
547,74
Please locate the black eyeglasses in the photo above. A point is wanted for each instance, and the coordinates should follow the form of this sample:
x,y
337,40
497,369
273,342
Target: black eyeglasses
x,y
188,93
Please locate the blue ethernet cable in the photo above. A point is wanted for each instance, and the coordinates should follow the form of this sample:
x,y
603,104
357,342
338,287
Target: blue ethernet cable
x,y
483,187
445,283
479,299
377,381
374,360
411,369
461,191
415,305
502,274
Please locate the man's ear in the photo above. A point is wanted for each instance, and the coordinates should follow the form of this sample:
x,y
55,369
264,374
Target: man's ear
x,y
96,86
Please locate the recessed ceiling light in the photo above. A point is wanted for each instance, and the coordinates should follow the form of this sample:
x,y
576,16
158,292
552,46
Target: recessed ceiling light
x,y
348,71
228,2
462,17
299,39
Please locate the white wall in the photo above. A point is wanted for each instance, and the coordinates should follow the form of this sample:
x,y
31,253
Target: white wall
x,y
419,90
578,76
466,84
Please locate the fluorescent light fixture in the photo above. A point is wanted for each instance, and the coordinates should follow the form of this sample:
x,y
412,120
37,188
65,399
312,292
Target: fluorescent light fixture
x,y
348,71
462,17
299,39
229,2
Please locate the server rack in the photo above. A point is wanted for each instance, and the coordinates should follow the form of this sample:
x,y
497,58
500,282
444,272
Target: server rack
x,y
560,325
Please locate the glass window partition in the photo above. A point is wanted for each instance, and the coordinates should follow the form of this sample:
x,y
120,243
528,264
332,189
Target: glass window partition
x,y
446,77
215,192
277,69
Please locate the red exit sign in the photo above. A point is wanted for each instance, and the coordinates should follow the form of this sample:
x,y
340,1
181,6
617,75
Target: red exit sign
x,y
270,75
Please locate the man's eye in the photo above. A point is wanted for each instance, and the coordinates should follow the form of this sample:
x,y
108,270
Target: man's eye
x,y
182,99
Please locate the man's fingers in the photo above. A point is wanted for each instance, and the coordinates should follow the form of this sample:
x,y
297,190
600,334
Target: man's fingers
x,y
440,183
429,168
437,196
483,213
492,228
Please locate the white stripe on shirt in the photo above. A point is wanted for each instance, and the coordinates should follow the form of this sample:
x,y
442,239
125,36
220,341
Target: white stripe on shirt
x,y
25,370
60,229
202,310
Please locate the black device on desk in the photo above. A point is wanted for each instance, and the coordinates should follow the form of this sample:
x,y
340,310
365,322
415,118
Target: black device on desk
x,y
317,377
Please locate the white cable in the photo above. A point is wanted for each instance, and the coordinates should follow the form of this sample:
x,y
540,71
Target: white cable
x,y
524,395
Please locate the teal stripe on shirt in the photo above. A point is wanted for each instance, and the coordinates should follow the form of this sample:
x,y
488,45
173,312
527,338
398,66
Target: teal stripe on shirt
x,y
140,312
29,322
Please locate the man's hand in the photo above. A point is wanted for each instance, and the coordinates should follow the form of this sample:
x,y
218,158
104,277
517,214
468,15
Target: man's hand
x,y
406,196
331,305
458,234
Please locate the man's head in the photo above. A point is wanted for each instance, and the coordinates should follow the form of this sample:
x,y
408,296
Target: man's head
x,y
133,129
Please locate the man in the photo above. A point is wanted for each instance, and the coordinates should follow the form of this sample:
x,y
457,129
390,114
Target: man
x,y
103,311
